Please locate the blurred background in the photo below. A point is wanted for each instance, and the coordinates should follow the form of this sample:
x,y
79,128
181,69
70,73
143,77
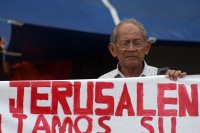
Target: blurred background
x,y
71,37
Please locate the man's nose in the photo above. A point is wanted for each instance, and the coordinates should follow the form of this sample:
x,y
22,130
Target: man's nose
x,y
131,47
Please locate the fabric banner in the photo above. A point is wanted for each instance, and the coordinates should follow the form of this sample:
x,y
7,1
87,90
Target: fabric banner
x,y
128,105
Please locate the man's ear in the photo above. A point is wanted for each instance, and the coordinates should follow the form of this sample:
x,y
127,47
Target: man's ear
x,y
112,49
147,47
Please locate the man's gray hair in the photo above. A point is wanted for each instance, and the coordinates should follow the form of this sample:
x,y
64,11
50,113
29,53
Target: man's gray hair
x,y
113,37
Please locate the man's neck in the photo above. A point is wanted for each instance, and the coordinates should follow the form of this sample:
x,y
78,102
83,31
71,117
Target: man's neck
x,y
131,71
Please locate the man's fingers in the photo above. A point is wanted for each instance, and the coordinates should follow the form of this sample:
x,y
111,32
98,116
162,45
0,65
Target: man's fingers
x,y
174,74
170,74
167,74
177,73
183,74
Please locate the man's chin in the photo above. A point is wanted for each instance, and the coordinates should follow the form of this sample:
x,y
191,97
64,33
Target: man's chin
x,y
132,64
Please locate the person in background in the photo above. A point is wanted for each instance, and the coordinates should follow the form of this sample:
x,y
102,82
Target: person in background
x,y
129,44
36,70
3,75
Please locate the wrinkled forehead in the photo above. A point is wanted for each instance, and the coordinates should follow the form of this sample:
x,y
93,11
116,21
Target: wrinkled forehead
x,y
129,30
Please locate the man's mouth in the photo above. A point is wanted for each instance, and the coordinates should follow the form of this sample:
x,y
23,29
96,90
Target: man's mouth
x,y
131,56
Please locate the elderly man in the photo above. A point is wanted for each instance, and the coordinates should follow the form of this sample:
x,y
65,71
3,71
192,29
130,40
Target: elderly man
x,y
129,44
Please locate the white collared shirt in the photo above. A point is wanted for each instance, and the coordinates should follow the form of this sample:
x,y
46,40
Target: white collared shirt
x,y
147,71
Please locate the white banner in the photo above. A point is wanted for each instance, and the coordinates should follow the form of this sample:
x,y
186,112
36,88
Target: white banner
x,y
127,105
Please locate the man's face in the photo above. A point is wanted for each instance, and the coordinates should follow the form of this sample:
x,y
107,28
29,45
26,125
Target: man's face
x,y
132,56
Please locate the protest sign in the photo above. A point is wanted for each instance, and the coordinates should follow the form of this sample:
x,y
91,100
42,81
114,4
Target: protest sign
x,y
129,105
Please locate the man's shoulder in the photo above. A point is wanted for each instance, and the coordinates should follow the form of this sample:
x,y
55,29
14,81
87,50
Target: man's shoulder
x,y
153,68
110,74
151,71
157,71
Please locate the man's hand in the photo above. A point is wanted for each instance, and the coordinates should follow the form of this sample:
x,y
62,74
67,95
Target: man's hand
x,y
175,74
